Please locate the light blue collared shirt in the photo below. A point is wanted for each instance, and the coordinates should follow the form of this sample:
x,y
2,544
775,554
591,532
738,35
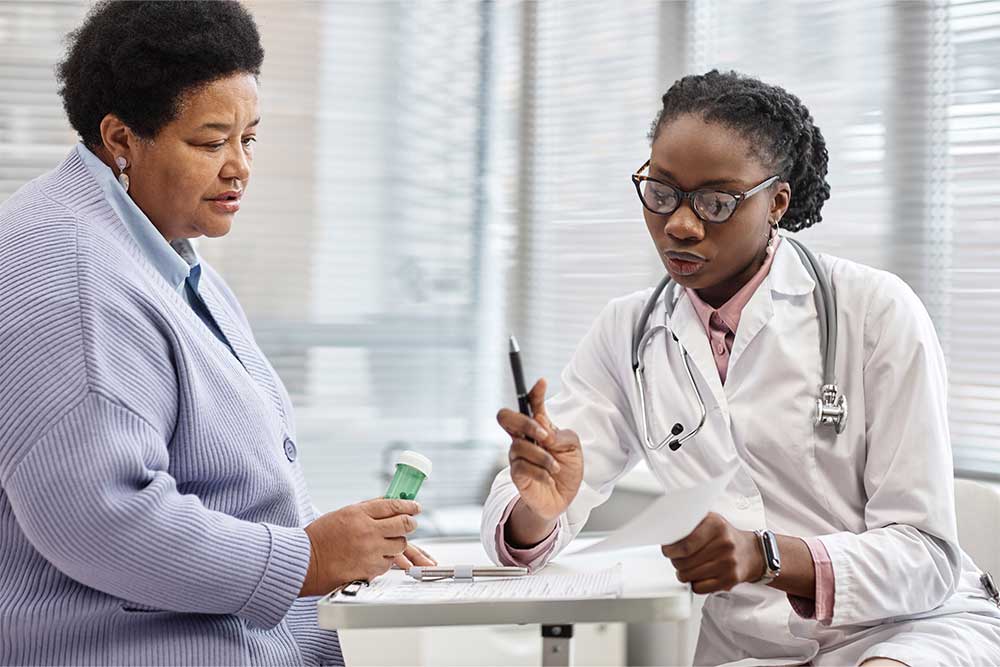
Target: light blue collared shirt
x,y
176,261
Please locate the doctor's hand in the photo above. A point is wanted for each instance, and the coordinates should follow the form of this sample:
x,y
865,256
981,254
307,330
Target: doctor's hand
x,y
716,556
359,541
546,463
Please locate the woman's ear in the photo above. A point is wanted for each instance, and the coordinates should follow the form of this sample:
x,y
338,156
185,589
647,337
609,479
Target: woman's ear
x,y
117,138
780,200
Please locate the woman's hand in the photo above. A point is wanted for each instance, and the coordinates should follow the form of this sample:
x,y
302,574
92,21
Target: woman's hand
x,y
359,541
413,555
546,463
716,556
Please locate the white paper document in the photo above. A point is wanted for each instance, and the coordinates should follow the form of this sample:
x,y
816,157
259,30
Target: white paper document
x,y
541,586
668,519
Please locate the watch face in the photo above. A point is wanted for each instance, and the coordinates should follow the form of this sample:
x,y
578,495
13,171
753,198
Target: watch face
x,y
771,551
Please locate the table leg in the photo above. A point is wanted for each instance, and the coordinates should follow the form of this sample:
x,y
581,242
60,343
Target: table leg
x,y
557,645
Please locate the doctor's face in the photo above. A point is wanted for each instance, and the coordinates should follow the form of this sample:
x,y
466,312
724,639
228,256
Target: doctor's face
x,y
715,259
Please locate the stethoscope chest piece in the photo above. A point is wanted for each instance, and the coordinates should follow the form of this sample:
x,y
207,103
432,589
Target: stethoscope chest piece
x,y
831,408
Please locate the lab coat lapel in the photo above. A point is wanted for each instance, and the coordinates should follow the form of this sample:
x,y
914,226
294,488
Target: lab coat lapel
x,y
787,277
691,334
755,316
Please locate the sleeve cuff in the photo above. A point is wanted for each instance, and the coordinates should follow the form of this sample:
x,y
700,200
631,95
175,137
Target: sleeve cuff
x,y
531,558
820,607
281,582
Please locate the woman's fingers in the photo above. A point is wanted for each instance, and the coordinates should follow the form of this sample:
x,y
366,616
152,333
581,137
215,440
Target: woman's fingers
x,y
393,547
418,556
396,526
383,508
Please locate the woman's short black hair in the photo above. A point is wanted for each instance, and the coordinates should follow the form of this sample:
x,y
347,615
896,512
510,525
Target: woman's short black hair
x,y
135,59
779,127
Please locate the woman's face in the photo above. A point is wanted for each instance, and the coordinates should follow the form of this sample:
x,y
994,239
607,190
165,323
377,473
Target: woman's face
x,y
714,259
190,178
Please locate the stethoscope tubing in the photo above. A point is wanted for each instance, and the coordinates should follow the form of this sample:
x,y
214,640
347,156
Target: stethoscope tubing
x,y
826,309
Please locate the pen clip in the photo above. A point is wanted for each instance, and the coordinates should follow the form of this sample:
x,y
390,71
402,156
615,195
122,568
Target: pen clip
x,y
351,589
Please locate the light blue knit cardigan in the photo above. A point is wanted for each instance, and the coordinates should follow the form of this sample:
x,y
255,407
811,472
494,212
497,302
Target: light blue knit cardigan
x,y
151,503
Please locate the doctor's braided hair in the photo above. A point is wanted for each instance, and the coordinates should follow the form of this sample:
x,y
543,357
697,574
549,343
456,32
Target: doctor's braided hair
x,y
779,127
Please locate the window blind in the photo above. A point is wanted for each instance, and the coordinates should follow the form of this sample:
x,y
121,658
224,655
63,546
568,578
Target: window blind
x,y
592,93
356,254
34,134
362,252
908,98
973,145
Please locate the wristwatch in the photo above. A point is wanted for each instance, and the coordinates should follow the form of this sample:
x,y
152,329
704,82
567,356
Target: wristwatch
x,y
772,559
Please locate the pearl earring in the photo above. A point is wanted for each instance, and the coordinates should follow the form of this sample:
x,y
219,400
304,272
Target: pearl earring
x,y
122,164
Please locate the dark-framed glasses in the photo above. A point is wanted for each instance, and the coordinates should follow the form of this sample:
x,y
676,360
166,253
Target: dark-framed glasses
x,y
713,206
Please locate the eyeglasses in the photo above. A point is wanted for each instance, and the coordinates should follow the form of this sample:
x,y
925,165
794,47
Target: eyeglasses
x,y
709,205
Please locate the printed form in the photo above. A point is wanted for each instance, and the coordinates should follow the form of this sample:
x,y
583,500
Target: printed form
x,y
606,583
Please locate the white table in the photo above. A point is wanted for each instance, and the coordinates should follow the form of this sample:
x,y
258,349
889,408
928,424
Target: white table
x,y
651,594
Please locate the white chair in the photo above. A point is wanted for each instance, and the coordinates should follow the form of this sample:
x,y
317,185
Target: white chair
x,y
977,505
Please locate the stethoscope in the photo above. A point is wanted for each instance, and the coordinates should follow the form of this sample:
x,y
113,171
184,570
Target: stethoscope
x,y
831,406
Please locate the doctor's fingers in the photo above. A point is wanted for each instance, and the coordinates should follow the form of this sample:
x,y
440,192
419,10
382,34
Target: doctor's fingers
x,y
520,468
719,566
564,440
536,398
710,528
532,453
709,553
706,586
521,426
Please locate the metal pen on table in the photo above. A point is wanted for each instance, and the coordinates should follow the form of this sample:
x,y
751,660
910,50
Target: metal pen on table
x,y
515,366
464,572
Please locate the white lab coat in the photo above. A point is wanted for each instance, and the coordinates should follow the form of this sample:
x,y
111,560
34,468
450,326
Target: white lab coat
x,y
879,496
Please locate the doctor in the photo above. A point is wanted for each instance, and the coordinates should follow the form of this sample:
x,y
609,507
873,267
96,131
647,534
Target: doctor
x,y
863,521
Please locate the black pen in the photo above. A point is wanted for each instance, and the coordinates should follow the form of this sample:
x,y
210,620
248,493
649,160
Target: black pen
x,y
515,366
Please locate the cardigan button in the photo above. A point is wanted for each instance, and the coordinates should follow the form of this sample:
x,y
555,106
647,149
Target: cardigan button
x,y
290,451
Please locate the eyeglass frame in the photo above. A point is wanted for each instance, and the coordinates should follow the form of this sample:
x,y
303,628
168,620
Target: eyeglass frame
x,y
637,179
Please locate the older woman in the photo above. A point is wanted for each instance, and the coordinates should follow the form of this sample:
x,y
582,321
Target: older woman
x,y
152,507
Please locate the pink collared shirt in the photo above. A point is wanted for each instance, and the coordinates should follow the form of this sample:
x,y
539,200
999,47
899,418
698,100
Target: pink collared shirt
x,y
720,325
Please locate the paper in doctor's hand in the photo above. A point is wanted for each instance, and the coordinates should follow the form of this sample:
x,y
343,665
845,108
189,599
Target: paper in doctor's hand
x,y
670,518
